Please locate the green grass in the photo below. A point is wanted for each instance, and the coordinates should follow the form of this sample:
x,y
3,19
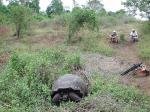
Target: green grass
x,y
144,43
144,48
25,85
95,42
96,46
109,96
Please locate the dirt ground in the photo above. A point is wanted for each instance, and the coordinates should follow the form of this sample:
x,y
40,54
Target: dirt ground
x,y
124,57
129,54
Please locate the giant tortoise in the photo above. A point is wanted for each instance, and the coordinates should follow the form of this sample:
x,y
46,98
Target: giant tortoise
x,y
69,88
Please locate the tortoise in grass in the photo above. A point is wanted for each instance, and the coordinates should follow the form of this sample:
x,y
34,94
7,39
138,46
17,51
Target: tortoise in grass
x,y
69,88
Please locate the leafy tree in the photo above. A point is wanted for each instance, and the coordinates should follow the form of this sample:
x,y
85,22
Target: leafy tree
x,y
95,5
102,12
4,9
121,13
15,2
141,5
33,4
110,13
80,18
75,3
21,17
55,7
4,14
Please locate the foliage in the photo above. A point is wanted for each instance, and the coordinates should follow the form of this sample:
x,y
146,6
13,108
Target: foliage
x,y
143,44
2,18
55,7
26,82
95,43
102,12
131,98
121,12
122,38
95,5
61,20
34,4
4,14
41,16
145,28
26,86
81,18
142,5
4,9
21,17
109,19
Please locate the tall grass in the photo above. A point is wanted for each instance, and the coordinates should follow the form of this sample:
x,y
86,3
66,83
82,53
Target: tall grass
x,y
111,21
144,43
95,42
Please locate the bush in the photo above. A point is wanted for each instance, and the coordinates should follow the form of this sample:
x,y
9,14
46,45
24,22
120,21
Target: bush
x,y
61,20
81,18
27,80
40,16
21,17
4,14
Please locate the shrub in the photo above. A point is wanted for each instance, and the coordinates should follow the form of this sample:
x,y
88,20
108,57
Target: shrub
x,y
27,80
40,17
61,20
21,17
80,18
4,14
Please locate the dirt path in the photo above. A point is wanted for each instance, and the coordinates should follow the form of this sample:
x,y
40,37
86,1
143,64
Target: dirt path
x,y
124,57
96,63
130,55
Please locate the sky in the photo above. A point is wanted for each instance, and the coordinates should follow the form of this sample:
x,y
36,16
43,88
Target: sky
x,y
109,5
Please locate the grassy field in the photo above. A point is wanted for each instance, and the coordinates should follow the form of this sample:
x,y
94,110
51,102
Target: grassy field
x,y
27,79
43,55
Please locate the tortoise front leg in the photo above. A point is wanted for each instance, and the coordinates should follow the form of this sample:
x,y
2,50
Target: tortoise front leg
x,y
74,97
56,99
